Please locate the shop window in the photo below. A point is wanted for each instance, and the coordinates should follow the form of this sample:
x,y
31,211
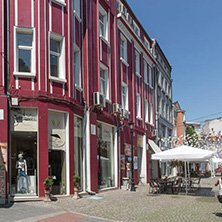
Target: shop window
x,y
24,52
105,156
78,149
24,155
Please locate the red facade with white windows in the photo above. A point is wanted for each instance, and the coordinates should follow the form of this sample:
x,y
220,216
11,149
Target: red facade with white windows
x,y
73,75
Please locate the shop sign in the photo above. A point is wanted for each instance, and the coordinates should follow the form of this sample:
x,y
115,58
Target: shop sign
x,y
139,141
56,131
127,148
122,162
24,119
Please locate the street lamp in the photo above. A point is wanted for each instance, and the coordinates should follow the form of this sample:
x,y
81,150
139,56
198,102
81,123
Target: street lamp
x,y
132,158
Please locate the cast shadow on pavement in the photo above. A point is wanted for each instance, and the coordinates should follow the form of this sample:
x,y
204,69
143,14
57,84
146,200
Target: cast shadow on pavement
x,y
6,205
218,214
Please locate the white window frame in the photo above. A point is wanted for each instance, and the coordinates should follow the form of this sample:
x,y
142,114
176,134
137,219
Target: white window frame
x,y
151,113
137,62
60,2
124,103
61,71
146,111
150,76
147,43
104,22
136,28
138,106
106,80
77,67
145,71
23,30
76,8
123,48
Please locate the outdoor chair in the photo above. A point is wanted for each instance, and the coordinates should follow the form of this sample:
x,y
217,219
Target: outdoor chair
x,y
195,182
154,188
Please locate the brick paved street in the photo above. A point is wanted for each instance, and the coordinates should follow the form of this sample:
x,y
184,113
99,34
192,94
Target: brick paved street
x,y
121,205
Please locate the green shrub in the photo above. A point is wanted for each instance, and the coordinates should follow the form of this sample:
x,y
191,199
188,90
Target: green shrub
x,y
77,180
48,182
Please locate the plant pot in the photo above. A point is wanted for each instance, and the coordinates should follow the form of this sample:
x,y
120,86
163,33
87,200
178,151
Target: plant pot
x,y
76,193
47,195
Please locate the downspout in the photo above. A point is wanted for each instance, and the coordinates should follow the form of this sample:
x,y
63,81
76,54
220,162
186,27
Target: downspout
x,y
9,102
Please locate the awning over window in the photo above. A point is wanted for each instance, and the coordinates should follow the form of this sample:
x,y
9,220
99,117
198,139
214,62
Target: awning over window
x,y
155,148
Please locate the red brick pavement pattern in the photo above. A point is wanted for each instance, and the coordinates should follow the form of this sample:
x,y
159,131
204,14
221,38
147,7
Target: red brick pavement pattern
x,y
67,217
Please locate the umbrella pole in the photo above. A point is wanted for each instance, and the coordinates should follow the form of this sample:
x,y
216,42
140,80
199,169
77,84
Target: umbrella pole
x,y
186,175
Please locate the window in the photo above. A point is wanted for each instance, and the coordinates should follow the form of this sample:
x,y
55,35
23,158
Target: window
x,y
103,79
137,62
146,111
77,72
136,28
150,77
57,56
146,43
124,96
123,48
138,105
102,23
76,7
25,52
151,113
145,71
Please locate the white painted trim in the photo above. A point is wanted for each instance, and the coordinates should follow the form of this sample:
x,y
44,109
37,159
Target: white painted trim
x,y
123,33
144,161
24,74
124,61
50,16
56,79
51,89
63,21
59,2
88,153
67,156
77,16
69,61
115,51
16,12
33,84
16,82
115,156
32,13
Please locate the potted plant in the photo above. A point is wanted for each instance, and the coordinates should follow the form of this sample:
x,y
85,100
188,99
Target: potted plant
x,y
48,184
77,181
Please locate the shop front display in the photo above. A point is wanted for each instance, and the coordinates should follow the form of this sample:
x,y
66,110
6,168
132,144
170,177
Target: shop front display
x,y
24,151
57,126
105,156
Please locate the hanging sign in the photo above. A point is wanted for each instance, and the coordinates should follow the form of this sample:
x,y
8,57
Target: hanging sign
x,y
127,149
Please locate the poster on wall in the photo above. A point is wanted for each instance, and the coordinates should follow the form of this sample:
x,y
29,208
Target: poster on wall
x,y
127,149
122,162
135,162
3,156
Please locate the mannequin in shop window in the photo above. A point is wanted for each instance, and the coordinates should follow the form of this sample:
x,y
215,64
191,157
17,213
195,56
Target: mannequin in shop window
x,y
22,174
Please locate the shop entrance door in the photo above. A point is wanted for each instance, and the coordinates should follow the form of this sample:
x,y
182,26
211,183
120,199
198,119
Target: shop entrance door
x,y
57,171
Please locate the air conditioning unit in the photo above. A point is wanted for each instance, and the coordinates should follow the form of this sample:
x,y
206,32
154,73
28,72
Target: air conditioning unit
x,y
125,113
154,132
99,100
117,108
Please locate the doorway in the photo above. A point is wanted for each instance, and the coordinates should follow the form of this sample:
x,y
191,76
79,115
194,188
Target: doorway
x,y
57,171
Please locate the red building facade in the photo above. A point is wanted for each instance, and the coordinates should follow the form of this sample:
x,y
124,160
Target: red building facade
x,y
73,75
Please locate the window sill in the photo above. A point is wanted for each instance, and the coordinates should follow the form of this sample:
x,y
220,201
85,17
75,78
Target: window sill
x,y
138,74
108,101
24,74
77,16
59,2
151,87
124,61
78,88
104,39
139,118
56,79
146,83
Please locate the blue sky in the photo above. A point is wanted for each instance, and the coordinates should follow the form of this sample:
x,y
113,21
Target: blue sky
x,y
190,34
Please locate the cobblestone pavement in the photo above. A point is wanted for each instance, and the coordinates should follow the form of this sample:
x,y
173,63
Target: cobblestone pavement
x,y
121,205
